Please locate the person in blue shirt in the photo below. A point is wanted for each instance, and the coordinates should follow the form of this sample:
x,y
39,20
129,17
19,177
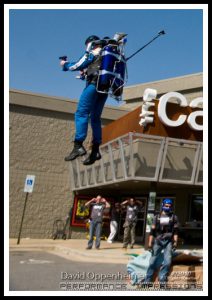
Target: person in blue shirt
x,y
91,102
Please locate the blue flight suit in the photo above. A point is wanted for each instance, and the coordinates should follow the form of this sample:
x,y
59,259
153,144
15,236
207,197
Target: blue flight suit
x,y
91,102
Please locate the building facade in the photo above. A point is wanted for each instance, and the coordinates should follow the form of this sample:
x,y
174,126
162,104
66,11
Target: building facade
x,y
135,162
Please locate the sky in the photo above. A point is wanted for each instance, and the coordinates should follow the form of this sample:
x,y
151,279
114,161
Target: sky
x,y
37,37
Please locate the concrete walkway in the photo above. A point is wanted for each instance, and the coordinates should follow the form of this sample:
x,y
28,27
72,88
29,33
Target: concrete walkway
x,y
75,249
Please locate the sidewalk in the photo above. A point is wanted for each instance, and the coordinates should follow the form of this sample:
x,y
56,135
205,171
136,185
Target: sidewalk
x,y
75,249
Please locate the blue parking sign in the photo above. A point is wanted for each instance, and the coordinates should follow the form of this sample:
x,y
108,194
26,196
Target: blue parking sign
x,y
29,183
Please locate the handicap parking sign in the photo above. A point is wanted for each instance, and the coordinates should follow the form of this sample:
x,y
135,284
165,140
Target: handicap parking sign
x,y
29,183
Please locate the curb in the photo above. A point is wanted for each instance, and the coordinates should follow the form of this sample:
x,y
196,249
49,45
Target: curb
x,y
85,255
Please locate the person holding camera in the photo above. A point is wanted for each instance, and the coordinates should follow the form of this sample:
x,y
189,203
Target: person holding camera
x,y
130,221
98,206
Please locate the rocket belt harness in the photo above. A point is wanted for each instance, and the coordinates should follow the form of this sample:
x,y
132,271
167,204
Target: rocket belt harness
x,y
109,71
167,229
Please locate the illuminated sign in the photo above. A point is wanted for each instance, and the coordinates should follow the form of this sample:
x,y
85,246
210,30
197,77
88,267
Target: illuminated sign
x,y
148,116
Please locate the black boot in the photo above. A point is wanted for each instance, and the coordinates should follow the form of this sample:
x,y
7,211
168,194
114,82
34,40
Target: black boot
x,y
78,150
95,155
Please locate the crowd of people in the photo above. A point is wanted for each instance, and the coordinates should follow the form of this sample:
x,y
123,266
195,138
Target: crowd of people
x,y
163,236
97,207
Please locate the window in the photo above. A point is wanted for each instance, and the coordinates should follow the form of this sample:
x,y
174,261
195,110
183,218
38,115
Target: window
x,y
196,208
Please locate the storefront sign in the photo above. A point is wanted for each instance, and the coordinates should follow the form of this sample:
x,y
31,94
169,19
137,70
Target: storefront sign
x,y
148,116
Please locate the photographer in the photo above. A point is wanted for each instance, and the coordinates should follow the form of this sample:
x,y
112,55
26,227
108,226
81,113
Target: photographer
x,y
130,221
98,205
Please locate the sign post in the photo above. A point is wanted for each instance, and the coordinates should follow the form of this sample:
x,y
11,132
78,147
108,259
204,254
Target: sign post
x,y
28,188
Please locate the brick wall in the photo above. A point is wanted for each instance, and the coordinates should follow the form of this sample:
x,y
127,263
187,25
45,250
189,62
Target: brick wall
x,y
39,140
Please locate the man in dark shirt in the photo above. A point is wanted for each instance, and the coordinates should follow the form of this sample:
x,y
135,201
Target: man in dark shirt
x,y
130,220
98,205
164,232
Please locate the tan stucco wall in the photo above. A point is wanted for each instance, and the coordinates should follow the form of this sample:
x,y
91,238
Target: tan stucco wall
x,y
191,86
39,140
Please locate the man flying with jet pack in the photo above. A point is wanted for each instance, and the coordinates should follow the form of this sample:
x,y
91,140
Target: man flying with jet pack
x,y
103,66
94,68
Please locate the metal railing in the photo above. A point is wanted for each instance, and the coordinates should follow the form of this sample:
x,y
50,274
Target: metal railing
x,y
143,157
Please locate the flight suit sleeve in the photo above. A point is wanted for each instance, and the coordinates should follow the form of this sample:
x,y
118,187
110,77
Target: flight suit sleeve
x,y
83,62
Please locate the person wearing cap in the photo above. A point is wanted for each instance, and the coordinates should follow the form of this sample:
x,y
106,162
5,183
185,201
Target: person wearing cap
x,y
91,102
163,236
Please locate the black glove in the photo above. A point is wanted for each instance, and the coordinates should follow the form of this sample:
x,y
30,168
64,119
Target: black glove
x,y
174,246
